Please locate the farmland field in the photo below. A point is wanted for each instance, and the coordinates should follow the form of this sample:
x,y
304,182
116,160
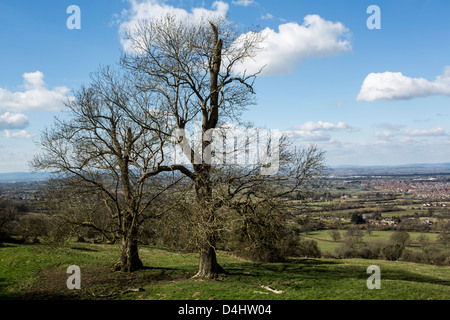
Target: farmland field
x,y
326,243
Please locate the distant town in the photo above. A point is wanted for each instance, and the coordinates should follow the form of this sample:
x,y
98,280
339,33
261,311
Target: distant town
x,y
420,181
427,182
437,188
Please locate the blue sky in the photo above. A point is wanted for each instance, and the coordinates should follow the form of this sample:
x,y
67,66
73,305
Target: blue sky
x,y
366,97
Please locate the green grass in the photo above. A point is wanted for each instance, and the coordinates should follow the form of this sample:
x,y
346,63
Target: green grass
x,y
326,243
37,271
314,279
21,265
375,235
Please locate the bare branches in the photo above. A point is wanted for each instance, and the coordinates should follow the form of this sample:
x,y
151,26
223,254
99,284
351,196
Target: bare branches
x,y
118,135
172,168
190,66
108,151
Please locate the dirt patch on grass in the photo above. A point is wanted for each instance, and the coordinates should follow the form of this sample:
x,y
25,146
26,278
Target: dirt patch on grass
x,y
97,283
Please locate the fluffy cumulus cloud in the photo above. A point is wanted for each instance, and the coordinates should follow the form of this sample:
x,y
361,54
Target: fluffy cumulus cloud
x,y
22,134
35,97
13,121
396,86
147,9
283,50
318,131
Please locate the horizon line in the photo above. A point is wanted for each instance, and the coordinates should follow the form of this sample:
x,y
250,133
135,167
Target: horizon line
x,y
330,166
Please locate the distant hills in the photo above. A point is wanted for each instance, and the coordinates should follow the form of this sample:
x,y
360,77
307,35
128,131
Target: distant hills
x,y
15,177
343,170
408,169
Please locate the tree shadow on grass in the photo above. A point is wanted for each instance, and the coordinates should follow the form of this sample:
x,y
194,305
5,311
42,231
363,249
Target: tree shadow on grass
x,y
84,249
325,270
97,283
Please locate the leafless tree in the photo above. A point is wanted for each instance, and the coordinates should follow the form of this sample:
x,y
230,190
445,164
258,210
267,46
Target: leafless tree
x,y
104,153
190,66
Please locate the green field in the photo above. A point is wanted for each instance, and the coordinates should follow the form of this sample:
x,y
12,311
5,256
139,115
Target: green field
x,y
39,272
326,243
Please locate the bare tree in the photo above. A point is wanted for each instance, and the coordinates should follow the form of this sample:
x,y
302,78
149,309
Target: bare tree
x,y
191,66
105,153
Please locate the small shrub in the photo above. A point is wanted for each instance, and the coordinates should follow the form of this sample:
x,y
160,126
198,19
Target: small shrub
x,y
411,256
354,232
335,235
307,248
400,237
374,249
423,240
261,233
328,255
433,255
392,252
443,239
350,248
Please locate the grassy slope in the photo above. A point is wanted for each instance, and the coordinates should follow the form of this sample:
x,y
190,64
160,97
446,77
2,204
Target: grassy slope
x,y
40,272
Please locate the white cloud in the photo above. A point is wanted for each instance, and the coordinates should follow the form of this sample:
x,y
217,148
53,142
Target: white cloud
x,y
328,126
281,51
434,132
284,50
393,132
147,9
11,121
35,97
386,147
22,134
244,3
396,86
390,150
309,135
33,80
267,16
318,131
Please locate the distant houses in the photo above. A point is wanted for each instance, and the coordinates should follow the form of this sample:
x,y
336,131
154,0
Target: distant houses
x,y
385,222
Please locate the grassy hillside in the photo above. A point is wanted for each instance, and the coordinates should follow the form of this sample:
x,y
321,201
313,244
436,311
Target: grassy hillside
x,y
39,272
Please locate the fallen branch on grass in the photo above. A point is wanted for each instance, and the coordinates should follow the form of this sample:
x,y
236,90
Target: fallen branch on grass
x,y
272,290
117,294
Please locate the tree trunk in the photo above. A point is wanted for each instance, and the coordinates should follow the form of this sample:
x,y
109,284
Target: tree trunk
x,y
208,268
129,260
